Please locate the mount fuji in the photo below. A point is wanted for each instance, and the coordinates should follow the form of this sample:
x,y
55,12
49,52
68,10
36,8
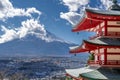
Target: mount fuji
x,y
36,41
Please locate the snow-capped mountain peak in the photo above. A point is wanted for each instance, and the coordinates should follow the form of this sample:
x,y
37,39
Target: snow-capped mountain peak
x,y
31,38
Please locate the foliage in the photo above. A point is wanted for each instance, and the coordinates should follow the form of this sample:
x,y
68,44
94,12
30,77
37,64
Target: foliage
x,y
91,56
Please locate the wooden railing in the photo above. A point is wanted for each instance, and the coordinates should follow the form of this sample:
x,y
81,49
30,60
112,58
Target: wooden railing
x,y
93,62
109,62
113,62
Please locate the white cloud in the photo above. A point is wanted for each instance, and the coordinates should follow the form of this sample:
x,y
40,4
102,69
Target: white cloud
x,y
72,17
9,34
32,10
30,26
74,6
105,4
7,10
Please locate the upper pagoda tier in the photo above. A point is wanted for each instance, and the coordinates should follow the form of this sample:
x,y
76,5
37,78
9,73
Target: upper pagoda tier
x,y
94,18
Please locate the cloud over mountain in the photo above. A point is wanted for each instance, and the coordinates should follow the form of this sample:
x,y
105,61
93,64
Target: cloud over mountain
x,y
33,44
30,26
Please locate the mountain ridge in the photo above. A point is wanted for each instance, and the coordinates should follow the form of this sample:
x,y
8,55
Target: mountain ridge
x,y
34,45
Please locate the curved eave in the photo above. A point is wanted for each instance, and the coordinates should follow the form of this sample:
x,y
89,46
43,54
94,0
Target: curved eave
x,y
94,75
102,74
103,42
86,23
76,72
78,49
82,48
103,14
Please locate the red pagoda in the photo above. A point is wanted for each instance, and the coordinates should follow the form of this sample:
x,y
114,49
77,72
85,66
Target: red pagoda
x,y
104,47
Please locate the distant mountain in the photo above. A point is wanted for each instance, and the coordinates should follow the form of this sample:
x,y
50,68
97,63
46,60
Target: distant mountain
x,y
33,44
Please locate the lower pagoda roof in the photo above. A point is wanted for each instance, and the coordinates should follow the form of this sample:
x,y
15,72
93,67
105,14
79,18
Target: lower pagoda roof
x,y
93,44
94,73
104,41
78,49
76,72
103,74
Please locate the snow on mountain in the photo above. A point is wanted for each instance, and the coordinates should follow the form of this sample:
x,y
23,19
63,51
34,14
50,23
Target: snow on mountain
x,y
32,45
32,39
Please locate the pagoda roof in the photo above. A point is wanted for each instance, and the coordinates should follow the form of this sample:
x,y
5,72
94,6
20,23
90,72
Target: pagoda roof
x,y
93,18
115,6
94,73
78,71
100,42
78,49
103,74
104,42
87,24
103,12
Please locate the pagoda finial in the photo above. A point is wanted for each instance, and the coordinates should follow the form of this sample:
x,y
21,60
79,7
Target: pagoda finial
x,y
114,1
115,6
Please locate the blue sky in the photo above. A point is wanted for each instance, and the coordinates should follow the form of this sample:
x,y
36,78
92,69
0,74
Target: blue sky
x,y
56,16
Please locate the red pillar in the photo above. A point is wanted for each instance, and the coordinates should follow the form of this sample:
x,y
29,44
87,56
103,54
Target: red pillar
x,y
105,56
105,27
98,54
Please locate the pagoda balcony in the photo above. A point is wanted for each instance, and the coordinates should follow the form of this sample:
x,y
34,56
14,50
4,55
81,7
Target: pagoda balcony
x,y
93,62
109,63
113,62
